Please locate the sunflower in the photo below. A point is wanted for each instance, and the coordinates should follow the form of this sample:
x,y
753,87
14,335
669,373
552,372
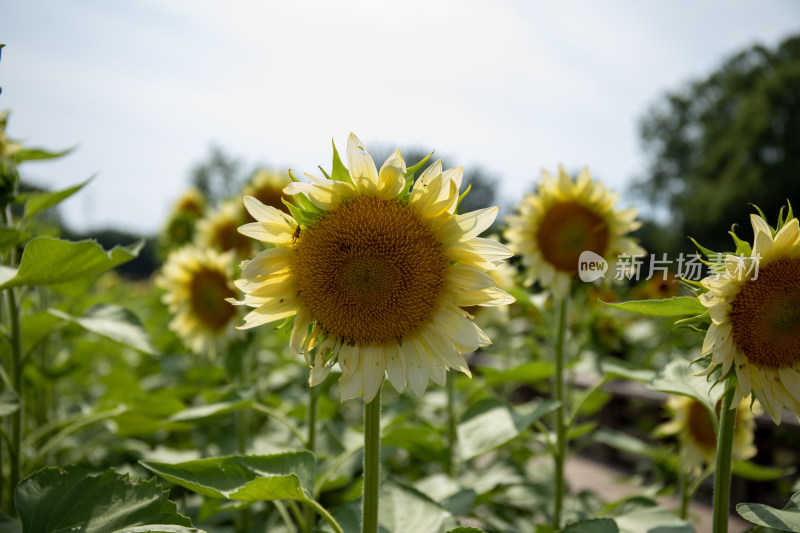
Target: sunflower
x,y
563,219
180,228
691,422
219,230
197,282
268,188
754,305
374,273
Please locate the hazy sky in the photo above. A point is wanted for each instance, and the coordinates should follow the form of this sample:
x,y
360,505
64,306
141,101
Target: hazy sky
x,y
144,87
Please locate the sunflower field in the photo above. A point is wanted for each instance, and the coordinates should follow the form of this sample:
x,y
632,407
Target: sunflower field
x,y
353,351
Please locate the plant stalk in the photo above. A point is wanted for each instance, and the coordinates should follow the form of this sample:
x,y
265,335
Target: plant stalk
x,y
561,429
722,474
372,464
451,467
311,421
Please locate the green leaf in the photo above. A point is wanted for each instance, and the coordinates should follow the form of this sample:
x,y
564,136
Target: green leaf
x,y
403,509
69,498
677,377
750,470
46,260
528,373
210,410
38,202
38,154
621,369
678,306
112,322
597,525
786,519
283,476
9,403
652,520
11,237
466,530
8,524
35,328
159,528
491,423
626,443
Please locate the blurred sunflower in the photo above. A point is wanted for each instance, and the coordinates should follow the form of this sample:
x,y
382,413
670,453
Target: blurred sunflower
x,y
267,187
564,218
657,287
691,422
219,230
197,282
181,225
374,275
754,304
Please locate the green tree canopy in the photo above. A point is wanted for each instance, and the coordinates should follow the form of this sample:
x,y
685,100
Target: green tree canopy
x,y
722,143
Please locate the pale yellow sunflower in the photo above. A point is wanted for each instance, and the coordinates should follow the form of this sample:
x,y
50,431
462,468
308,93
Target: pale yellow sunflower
x,y
181,226
191,202
219,230
754,304
375,273
565,218
197,282
268,188
691,422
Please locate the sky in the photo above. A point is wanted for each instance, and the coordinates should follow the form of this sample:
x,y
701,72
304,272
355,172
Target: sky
x,y
143,88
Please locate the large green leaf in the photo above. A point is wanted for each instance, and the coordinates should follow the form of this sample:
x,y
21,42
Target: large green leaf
x,y
750,470
466,530
786,519
46,260
70,499
677,377
530,373
113,322
285,476
670,307
38,202
9,403
620,369
402,510
201,412
652,520
491,423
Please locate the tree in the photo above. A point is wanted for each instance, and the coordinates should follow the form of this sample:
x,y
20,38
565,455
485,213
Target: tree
x,y
722,143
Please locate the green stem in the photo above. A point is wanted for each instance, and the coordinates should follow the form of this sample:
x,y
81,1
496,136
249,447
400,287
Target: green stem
x,y
280,417
15,450
325,515
372,464
311,421
722,474
451,465
685,495
561,428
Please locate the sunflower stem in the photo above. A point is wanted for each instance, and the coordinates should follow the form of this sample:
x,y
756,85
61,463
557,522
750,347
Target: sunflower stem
x,y
451,466
311,421
560,453
685,494
372,464
722,474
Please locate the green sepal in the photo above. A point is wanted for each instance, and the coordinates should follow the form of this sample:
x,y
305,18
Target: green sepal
x,y
38,154
686,322
742,248
305,204
413,169
339,172
463,195
703,249
760,212
324,173
302,217
789,216
291,177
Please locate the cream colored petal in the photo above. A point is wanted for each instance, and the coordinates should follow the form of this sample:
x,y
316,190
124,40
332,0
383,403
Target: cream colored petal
x,y
488,249
417,369
395,367
787,236
299,331
791,380
270,312
268,214
267,262
759,224
351,385
468,278
433,171
373,366
319,371
325,198
361,166
267,232
456,175
469,225
391,178
272,286
762,245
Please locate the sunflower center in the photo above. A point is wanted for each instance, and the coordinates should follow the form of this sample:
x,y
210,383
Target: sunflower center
x,y
209,288
566,230
369,271
700,426
765,315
